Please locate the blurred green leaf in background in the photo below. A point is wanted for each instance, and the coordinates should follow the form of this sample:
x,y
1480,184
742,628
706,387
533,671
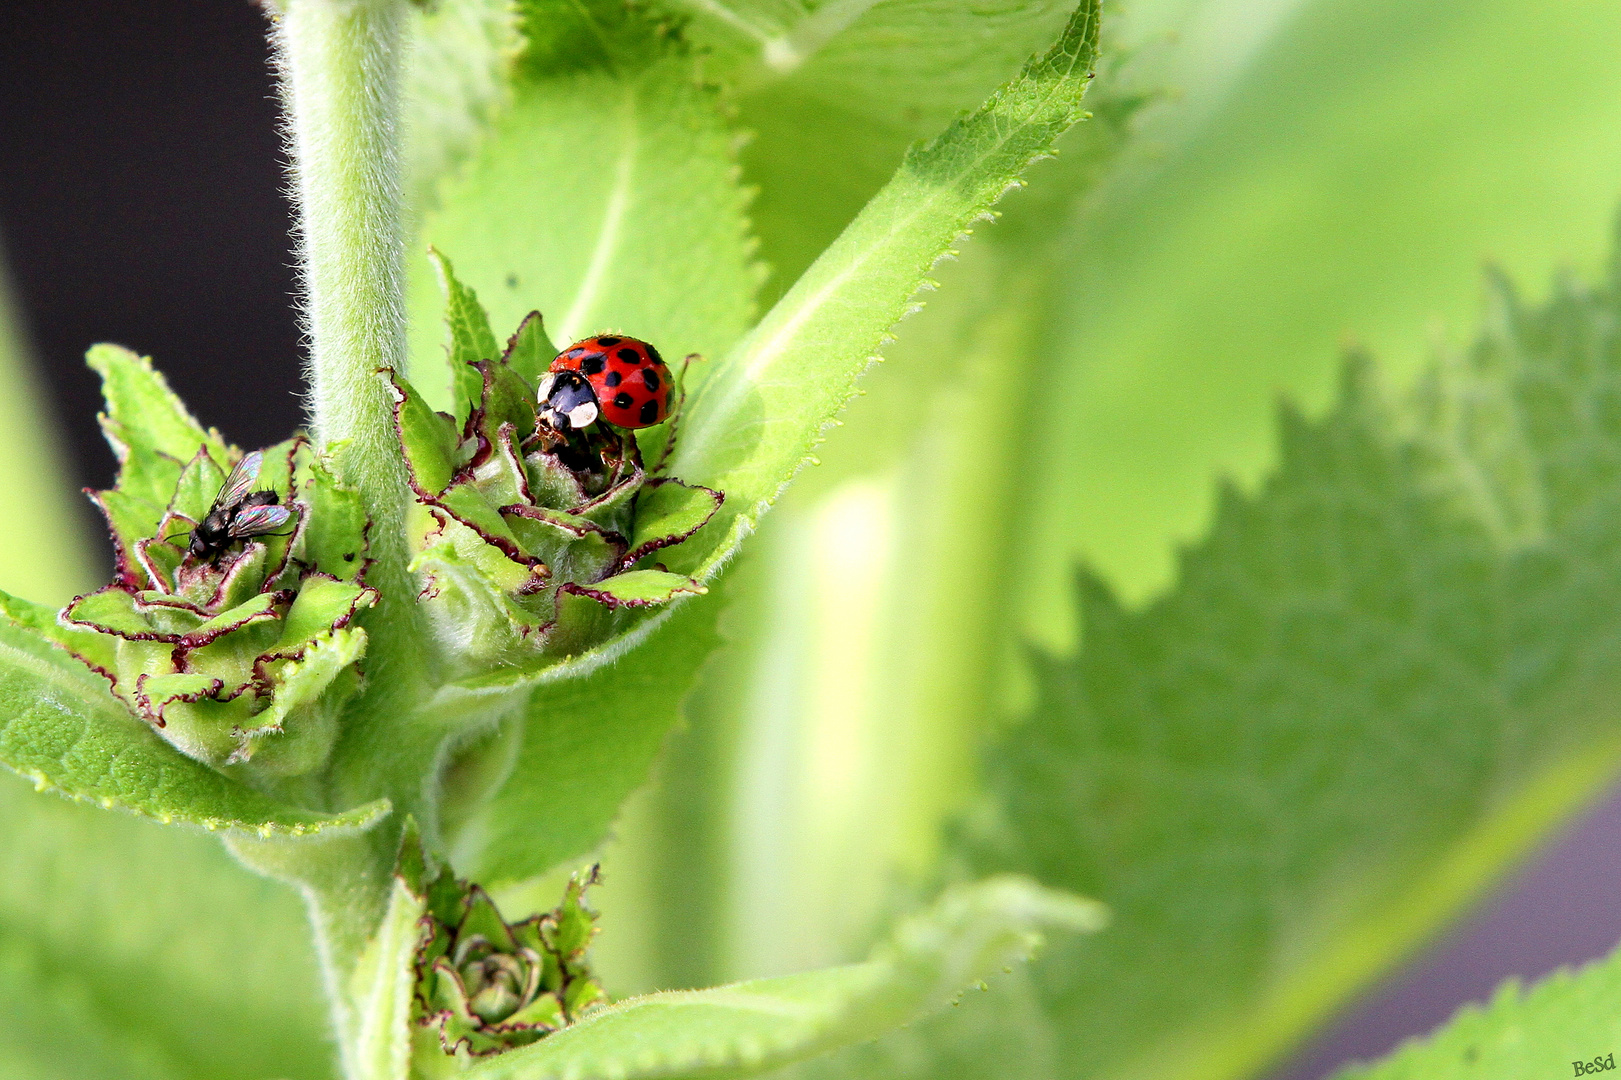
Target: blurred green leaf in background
x,y
1300,176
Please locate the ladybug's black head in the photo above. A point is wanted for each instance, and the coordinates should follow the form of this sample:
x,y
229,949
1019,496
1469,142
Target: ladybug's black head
x,y
567,401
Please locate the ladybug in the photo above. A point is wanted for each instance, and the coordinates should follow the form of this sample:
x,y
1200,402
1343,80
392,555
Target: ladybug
x,y
622,379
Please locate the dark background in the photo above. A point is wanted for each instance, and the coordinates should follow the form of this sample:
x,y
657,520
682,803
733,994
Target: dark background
x,y
140,202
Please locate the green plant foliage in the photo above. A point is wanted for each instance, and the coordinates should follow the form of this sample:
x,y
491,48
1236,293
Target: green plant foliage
x,y
914,63
1296,208
1376,682
61,728
485,985
1344,178
753,423
609,725
233,653
832,95
864,288
470,338
597,196
874,617
381,992
456,84
740,1030
130,950
1523,1033
530,544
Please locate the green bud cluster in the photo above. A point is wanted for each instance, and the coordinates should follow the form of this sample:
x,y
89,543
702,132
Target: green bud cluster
x,y
485,985
531,546
243,656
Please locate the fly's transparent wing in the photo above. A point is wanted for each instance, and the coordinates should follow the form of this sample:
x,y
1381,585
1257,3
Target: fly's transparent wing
x,y
241,480
258,520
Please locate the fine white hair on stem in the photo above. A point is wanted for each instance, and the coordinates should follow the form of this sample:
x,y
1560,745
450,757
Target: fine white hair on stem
x,y
340,65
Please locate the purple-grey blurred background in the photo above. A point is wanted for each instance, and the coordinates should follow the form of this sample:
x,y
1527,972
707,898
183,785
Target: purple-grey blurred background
x,y
140,202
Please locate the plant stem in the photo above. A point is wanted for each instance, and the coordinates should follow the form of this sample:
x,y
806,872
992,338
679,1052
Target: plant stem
x,y
340,64
345,880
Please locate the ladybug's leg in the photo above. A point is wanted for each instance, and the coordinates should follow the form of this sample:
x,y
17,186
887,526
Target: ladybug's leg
x,y
577,453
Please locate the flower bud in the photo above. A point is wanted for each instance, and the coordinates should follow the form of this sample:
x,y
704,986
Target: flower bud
x,y
485,985
532,545
229,624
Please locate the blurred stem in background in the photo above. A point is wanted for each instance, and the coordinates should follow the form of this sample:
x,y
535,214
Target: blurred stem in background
x,y
43,553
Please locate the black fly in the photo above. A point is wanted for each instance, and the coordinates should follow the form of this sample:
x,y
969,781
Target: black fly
x,y
238,512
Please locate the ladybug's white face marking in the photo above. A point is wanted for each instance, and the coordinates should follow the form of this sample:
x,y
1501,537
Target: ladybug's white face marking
x,y
567,400
583,415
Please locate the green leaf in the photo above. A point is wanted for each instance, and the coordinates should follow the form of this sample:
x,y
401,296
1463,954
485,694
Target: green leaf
x,y
55,1027
1523,1033
869,606
637,588
754,422
200,481
599,197
320,661
150,430
892,59
586,744
95,980
332,549
61,727
320,605
130,950
470,338
1310,191
834,93
530,351
1377,682
429,438
456,83
667,512
733,1031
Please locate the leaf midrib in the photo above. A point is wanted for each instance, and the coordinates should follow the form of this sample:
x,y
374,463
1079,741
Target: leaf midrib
x,y
769,352
573,324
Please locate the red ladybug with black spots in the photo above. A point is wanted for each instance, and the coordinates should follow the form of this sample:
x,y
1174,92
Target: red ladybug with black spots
x,y
622,379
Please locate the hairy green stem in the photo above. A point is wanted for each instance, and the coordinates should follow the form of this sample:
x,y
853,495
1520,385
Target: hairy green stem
x,y
341,64
345,880
341,69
